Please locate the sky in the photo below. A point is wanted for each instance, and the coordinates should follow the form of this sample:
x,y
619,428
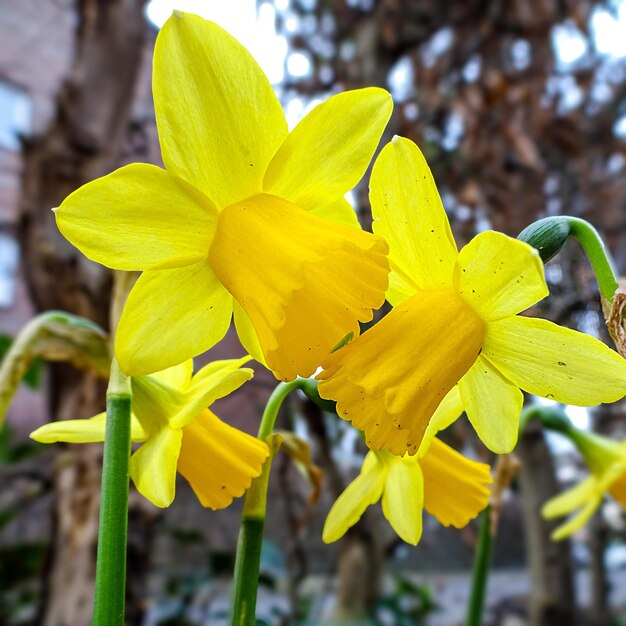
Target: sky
x,y
239,17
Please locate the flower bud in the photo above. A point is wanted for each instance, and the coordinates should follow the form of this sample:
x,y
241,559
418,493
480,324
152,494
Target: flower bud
x,y
547,236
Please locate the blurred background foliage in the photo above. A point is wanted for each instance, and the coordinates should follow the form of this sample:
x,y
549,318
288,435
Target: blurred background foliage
x,y
520,108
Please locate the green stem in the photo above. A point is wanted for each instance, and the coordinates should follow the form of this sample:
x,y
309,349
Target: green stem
x,y
480,571
248,559
110,589
550,417
598,255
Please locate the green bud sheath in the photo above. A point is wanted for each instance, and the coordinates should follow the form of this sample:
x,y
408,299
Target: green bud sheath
x,y
547,236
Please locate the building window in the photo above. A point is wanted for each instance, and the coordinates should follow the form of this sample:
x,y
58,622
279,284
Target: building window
x,y
9,258
15,111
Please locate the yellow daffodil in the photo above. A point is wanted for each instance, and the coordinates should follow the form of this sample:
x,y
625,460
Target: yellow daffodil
x,y
455,321
437,478
178,432
246,217
607,461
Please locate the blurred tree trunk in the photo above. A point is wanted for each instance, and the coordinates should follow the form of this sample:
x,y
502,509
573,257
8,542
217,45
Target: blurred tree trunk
x,y
83,141
600,609
552,592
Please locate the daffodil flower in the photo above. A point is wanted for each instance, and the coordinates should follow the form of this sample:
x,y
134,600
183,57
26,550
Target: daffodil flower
x,y
437,478
246,217
178,433
455,322
607,461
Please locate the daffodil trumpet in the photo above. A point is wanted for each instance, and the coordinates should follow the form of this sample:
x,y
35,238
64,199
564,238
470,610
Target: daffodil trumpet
x,y
177,433
247,220
455,321
449,486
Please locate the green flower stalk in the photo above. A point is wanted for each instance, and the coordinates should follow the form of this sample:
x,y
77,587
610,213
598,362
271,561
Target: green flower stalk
x,y
110,591
250,542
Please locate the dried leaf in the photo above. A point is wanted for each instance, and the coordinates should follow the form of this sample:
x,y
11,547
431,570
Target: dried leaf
x,y
53,336
300,453
615,316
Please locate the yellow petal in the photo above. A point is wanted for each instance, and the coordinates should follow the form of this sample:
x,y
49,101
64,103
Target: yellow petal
x,y
153,466
576,522
82,431
154,403
554,362
212,382
364,490
493,405
409,215
571,499
445,414
158,405
139,217
403,498
219,461
217,371
304,284
171,316
219,120
246,333
499,276
455,488
390,380
177,376
329,150
339,211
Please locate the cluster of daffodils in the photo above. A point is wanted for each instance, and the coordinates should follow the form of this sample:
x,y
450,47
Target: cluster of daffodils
x,y
248,221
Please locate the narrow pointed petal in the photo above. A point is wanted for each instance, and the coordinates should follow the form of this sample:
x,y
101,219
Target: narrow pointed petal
x,y
403,498
576,522
339,211
554,362
219,461
405,200
364,490
216,371
314,285
153,466
499,276
493,405
137,218
177,376
246,333
219,120
81,431
389,381
456,489
207,388
329,150
171,316
570,500
445,414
